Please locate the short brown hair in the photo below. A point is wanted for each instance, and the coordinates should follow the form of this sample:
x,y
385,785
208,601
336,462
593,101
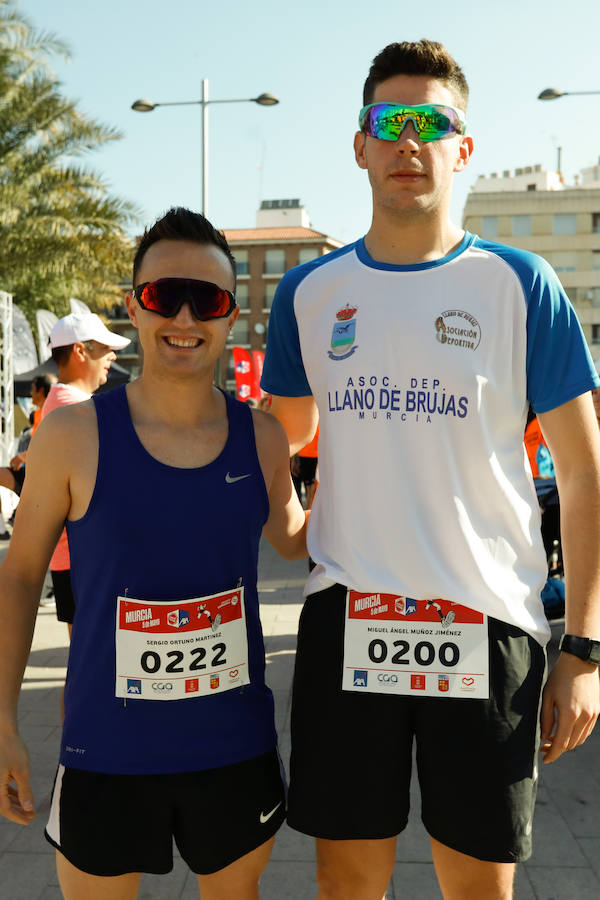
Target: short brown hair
x,y
181,224
417,58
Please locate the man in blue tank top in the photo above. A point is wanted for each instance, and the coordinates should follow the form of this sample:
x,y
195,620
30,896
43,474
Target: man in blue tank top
x,y
169,730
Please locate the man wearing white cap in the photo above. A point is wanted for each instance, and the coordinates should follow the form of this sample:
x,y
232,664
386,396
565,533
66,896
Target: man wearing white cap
x,y
83,349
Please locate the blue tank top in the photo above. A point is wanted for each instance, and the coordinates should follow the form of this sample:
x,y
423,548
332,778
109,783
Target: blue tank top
x,y
160,533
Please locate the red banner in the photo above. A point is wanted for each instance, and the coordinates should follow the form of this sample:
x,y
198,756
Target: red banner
x,y
244,373
258,358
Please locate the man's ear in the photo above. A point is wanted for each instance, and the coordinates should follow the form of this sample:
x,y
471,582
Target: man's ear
x,y
360,150
465,149
79,351
132,307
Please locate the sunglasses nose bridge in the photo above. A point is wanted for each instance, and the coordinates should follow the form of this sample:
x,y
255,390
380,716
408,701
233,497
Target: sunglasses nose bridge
x,y
187,309
404,135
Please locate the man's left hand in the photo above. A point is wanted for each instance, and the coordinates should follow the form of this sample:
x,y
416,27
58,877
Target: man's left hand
x,y
571,702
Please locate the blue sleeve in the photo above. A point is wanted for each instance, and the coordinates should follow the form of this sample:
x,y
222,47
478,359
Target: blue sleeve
x,y
283,371
559,364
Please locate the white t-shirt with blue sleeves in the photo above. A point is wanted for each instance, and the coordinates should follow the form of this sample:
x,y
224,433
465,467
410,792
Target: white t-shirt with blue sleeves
x,y
422,375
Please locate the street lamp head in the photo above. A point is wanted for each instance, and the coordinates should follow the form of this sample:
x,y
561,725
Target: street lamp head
x,y
266,100
551,94
143,105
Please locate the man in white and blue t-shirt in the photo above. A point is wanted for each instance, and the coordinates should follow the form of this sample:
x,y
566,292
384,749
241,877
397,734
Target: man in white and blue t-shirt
x,y
418,349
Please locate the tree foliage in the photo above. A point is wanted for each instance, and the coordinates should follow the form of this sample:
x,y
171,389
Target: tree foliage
x,y
62,234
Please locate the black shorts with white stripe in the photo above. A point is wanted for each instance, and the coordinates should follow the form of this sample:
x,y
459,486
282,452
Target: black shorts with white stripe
x,y
114,824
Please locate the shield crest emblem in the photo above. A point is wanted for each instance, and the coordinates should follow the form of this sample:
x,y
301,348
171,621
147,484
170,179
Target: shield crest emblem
x,y
343,335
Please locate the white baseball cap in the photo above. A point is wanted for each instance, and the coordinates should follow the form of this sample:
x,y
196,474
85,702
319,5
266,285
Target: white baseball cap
x,y
85,327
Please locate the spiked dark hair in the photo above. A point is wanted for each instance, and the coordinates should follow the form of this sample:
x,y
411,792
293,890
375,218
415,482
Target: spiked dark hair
x,y
181,224
417,58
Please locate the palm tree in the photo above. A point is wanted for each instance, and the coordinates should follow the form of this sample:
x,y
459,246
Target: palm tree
x,y
61,233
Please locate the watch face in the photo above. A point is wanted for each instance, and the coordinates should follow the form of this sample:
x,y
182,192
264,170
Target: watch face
x,y
594,656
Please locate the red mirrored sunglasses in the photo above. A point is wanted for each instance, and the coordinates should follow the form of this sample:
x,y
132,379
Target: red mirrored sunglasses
x,y
167,295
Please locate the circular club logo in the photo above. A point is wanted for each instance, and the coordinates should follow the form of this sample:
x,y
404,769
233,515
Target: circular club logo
x,y
457,328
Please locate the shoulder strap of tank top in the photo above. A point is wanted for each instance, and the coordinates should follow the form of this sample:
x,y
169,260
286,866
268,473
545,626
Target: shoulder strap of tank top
x,y
241,426
114,420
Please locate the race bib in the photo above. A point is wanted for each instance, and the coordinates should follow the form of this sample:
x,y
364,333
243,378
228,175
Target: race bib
x,y
396,645
181,649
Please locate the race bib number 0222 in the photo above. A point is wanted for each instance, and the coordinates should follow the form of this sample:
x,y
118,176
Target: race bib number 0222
x,y
182,649
396,645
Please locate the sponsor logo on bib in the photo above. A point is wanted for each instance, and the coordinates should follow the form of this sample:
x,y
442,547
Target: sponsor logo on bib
x,y
178,617
417,682
405,606
360,677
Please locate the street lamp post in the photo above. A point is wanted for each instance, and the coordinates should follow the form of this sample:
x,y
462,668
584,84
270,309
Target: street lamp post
x,y
554,94
148,106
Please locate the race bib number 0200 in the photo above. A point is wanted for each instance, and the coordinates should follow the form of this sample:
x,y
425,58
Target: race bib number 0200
x,y
396,645
182,649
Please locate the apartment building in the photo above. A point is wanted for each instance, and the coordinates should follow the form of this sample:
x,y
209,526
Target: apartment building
x,y
535,210
283,238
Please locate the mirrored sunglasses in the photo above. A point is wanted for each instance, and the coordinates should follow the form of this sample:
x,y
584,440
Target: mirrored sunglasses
x,y
432,122
167,295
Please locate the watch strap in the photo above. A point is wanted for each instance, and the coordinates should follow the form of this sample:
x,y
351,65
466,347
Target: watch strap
x,y
585,648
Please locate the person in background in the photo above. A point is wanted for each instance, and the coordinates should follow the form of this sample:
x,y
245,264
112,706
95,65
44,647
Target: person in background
x,y
12,476
83,349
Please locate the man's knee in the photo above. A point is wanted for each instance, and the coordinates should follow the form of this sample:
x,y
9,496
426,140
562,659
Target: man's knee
x,y
354,870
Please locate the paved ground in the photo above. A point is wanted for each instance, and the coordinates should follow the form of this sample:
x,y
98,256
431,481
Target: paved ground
x,y
565,864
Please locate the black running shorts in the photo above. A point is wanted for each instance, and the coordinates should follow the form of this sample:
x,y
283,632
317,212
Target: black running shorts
x,y
63,594
18,478
352,752
114,824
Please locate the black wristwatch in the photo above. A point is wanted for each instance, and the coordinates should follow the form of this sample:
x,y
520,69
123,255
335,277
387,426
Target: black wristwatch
x,y
584,648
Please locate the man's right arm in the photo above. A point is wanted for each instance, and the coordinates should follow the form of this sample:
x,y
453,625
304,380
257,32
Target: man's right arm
x,y
299,417
43,508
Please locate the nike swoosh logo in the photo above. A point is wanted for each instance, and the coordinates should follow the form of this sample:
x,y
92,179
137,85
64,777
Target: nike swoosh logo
x,y
231,479
265,817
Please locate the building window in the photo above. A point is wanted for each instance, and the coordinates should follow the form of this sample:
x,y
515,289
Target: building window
x,y
571,293
274,262
118,311
596,223
239,333
595,260
532,187
241,295
564,223
489,226
241,262
595,334
595,296
521,226
133,348
306,254
270,288
564,261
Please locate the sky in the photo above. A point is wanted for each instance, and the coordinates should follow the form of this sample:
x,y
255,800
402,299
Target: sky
x,y
314,56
